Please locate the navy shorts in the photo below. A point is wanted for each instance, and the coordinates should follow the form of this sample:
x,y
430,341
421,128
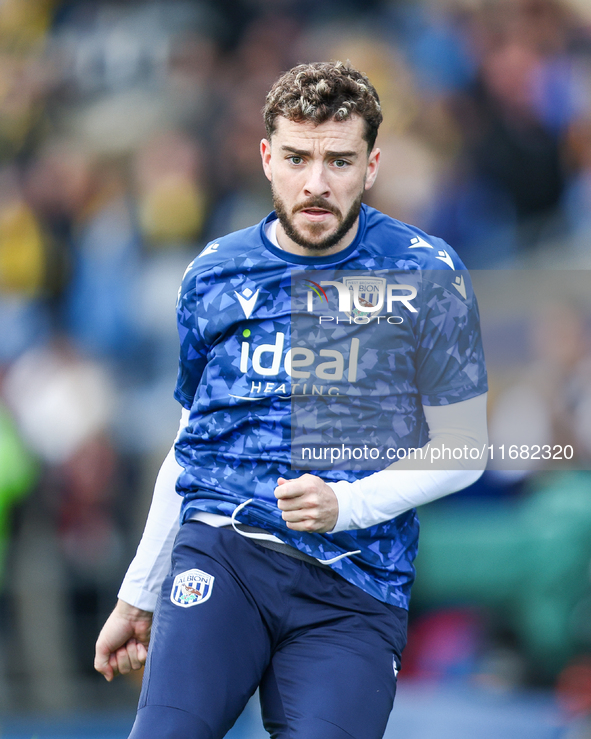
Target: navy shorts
x,y
234,616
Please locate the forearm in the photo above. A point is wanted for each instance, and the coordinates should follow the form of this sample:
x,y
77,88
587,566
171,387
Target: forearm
x,y
151,563
416,481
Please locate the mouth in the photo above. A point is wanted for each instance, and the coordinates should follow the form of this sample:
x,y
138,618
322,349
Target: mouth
x,y
316,214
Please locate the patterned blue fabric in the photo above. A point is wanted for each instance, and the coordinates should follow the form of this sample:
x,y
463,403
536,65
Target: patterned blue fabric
x,y
244,313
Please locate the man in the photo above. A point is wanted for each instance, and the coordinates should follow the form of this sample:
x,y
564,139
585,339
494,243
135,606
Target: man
x,y
299,583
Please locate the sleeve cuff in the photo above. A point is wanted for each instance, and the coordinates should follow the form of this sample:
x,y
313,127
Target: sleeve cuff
x,y
137,597
344,492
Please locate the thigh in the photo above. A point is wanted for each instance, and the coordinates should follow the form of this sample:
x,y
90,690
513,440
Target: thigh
x,y
209,646
335,679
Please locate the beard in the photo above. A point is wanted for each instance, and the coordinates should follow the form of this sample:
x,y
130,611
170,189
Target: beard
x,y
345,223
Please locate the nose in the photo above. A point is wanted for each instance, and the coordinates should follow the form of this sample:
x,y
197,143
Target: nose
x,y
316,181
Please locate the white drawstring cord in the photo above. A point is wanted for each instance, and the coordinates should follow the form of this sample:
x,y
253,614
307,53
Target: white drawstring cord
x,y
248,534
266,537
336,559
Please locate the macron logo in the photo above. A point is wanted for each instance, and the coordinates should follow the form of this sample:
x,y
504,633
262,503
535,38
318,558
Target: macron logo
x,y
444,256
417,242
247,300
211,249
460,286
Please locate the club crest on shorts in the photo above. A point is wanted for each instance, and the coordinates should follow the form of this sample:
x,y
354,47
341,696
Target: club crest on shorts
x,y
191,588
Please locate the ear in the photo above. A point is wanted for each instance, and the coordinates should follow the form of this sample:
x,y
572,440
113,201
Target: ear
x,y
373,164
266,157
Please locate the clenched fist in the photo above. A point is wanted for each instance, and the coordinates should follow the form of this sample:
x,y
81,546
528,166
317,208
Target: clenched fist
x,y
307,504
122,645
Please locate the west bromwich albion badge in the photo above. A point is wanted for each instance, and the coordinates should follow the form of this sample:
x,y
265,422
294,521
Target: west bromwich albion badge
x,y
191,588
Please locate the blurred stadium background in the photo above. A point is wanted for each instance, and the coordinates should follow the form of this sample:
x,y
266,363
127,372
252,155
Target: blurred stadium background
x,y
129,138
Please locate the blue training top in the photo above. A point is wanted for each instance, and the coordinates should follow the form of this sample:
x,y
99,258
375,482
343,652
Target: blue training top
x,y
274,359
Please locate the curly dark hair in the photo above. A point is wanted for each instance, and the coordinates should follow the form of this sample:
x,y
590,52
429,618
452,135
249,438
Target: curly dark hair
x,y
324,91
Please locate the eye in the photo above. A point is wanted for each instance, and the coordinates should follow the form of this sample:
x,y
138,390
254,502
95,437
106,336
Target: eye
x,y
295,159
340,163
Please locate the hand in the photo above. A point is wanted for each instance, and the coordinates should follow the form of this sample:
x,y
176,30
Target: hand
x,y
308,504
122,645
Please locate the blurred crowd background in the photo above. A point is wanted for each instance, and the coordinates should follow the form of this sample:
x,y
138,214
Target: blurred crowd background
x,y
129,137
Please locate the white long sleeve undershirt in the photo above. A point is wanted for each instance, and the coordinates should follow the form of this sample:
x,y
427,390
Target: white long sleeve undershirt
x,y
415,481
149,567
363,503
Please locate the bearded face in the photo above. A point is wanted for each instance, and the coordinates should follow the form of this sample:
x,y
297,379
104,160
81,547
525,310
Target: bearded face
x,y
318,175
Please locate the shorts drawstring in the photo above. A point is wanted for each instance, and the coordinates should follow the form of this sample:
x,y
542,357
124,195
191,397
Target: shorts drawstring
x,y
251,535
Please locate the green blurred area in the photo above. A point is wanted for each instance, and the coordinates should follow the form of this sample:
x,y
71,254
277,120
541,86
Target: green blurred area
x,y
18,474
526,560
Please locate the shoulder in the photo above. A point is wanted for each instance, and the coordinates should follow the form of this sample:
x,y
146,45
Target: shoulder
x,y
238,249
407,245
